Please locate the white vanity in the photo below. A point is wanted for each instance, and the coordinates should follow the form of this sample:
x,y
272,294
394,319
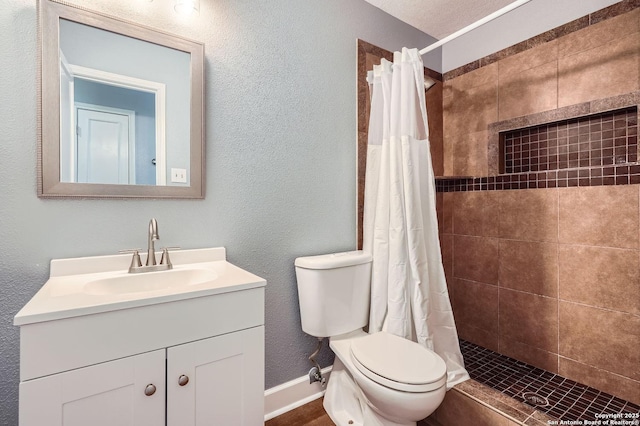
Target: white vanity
x,y
102,347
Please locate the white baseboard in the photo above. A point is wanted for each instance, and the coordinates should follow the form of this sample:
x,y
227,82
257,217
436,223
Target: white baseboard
x,y
287,396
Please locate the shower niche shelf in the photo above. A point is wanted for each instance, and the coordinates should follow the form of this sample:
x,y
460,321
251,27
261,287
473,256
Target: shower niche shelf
x,y
597,140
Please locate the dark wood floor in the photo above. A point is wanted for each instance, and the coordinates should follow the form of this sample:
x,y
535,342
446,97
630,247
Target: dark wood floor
x,y
311,414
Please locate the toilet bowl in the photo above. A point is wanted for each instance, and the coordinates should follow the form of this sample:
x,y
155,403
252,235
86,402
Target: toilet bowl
x,y
400,381
377,379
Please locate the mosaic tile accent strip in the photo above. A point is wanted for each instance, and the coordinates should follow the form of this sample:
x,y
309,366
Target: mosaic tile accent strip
x,y
567,400
593,176
597,140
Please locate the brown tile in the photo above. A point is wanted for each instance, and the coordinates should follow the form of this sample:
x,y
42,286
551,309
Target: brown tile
x,y
474,213
485,338
450,134
528,91
563,113
614,10
529,266
528,81
599,215
474,108
439,209
504,53
604,339
475,259
472,388
493,153
458,409
449,75
504,403
530,319
491,223
475,78
470,154
534,422
448,200
615,102
434,108
447,90
499,402
611,383
468,213
599,34
601,72
530,215
539,418
600,277
476,305
543,48
446,247
529,354
573,26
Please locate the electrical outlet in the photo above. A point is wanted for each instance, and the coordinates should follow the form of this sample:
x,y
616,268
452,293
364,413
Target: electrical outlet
x,y
178,175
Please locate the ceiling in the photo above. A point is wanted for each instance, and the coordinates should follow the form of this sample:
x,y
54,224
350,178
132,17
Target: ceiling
x,y
439,18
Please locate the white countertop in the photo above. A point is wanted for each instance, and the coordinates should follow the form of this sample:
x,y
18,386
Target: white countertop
x,y
64,294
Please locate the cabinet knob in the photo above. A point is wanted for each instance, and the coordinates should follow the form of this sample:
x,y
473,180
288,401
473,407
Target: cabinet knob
x,y
150,390
183,380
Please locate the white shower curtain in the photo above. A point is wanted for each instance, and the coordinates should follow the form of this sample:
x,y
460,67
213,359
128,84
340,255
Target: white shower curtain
x,y
409,295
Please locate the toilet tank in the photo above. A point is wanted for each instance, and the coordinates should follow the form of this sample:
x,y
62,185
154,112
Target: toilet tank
x,y
333,292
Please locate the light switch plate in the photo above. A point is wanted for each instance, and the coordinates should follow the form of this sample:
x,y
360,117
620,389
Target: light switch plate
x,y
178,175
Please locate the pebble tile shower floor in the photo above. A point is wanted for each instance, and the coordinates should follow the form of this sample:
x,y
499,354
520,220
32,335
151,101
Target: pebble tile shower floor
x,y
567,400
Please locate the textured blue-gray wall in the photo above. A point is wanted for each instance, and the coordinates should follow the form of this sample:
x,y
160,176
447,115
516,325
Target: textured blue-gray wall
x,y
281,155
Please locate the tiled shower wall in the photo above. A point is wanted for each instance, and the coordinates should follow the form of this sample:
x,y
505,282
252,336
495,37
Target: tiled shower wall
x,y
548,276
597,62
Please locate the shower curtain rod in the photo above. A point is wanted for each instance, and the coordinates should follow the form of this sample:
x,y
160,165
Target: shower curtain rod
x,y
475,25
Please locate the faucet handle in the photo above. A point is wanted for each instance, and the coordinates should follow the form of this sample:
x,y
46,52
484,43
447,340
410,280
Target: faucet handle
x,y
164,260
135,261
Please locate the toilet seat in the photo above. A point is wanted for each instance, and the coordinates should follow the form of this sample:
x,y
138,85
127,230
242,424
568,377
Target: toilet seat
x,y
398,363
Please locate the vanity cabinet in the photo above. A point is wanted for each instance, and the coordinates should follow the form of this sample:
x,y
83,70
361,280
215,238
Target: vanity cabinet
x,y
225,381
185,353
90,395
215,381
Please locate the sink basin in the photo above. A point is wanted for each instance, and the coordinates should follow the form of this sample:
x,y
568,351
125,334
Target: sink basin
x,y
100,284
149,281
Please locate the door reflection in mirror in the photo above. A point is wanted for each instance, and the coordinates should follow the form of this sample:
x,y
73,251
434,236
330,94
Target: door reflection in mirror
x,y
105,148
124,106
112,102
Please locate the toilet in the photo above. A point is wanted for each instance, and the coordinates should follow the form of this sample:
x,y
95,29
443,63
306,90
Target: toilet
x,y
377,379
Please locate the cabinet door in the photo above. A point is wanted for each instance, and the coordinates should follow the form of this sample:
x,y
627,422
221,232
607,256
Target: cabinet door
x,y
107,394
225,381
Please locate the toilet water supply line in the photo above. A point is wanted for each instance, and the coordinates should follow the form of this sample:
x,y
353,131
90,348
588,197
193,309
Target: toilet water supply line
x,y
315,374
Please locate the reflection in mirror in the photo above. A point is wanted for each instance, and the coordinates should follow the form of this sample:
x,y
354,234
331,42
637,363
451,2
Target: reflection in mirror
x,y
128,116
115,136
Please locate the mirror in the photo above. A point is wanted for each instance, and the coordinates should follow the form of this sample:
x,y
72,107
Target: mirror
x,y
121,111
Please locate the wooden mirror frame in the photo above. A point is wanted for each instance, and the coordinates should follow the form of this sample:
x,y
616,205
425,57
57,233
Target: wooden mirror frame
x,y
48,170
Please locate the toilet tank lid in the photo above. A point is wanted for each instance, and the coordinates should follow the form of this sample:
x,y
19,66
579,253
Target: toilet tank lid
x,y
333,260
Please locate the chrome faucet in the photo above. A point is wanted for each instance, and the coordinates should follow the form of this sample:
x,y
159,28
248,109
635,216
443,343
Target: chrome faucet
x,y
150,265
153,236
